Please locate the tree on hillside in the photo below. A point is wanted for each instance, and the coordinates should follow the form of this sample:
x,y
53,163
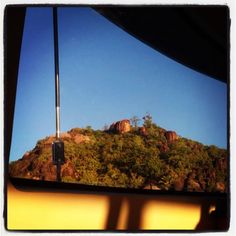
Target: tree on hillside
x,y
134,121
147,120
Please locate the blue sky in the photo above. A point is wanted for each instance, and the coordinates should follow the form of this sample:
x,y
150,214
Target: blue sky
x,y
107,75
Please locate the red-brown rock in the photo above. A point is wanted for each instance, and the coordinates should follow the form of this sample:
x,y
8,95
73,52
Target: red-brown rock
x,y
171,136
68,169
164,148
26,155
120,127
143,131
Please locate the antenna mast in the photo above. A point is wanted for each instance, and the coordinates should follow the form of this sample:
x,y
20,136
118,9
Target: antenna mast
x,y
58,145
57,83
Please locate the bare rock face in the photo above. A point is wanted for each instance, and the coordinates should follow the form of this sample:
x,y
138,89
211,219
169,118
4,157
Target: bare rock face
x,y
37,164
80,138
75,135
120,127
26,155
171,136
65,135
163,147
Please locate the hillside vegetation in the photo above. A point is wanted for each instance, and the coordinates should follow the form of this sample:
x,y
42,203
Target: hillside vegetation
x,y
141,157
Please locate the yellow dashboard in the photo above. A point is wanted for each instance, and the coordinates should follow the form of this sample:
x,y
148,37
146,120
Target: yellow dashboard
x,y
34,209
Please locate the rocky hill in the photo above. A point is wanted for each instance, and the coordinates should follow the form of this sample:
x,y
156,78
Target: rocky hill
x,y
147,157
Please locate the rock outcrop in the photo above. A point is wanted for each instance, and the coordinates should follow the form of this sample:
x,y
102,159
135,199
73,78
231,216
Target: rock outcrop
x,y
38,170
120,127
143,131
163,147
171,136
37,164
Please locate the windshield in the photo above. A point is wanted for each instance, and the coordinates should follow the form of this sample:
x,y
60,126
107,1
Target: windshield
x,y
130,116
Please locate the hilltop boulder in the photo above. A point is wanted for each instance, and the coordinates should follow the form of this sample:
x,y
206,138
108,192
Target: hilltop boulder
x,y
171,136
120,127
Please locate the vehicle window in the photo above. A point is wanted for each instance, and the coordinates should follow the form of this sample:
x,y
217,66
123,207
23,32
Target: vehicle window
x,y
130,116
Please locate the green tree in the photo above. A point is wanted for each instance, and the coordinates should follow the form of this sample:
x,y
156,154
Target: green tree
x,y
147,121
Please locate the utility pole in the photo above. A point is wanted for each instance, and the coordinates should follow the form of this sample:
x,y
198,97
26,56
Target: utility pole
x,y
58,145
